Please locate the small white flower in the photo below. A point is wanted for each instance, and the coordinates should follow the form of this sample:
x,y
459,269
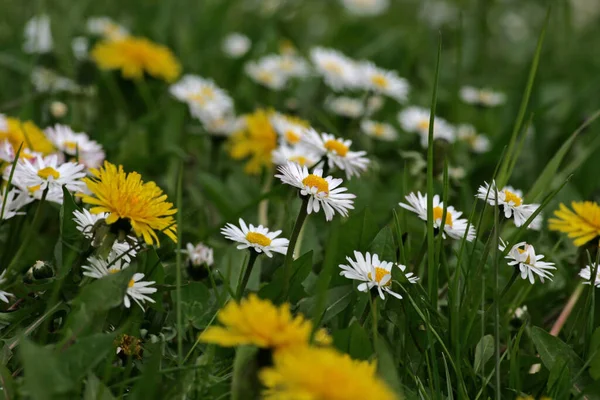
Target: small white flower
x,y
48,81
15,200
290,131
586,275
483,97
374,104
258,238
106,27
235,45
337,151
379,130
79,144
381,81
456,173
479,143
292,66
338,71
58,109
267,72
454,226
373,272
38,36
323,193
523,255
346,106
416,120
223,125
299,154
520,312
137,290
366,8
98,268
4,295
80,46
41,173
199,254
512,201
204,98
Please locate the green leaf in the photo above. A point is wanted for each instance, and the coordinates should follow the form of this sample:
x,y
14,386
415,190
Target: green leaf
x,y
148,386
106,293
387,367
86,353
552,348
384,244
7,382
336,301
559,380
595,354
301,268
244,384
69,236
354,341
96,390
45,375
483,351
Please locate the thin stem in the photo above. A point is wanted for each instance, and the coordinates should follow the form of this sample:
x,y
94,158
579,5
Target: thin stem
x,y
179,316
246,277
289,256
564,314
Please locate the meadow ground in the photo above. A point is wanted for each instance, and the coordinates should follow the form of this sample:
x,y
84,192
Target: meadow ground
x,y
286,199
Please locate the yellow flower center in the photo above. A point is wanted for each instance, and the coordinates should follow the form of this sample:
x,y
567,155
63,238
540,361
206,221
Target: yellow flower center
x,y
485,97
202,96
131,283
292,137
47,172
71,146
511,197
521,251
335,145
378,129
33,189
423,125
316,182
265,76
301,160
380,81
333,67
258,238
114,271
379,274
438,212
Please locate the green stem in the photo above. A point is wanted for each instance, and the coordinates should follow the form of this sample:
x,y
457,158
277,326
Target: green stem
x,y
512,280
246,277
179,316
289,256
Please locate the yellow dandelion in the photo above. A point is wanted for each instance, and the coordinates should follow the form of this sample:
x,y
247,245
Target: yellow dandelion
x,y
129,200
135,56
27,133
258,322
582,224
321,374
256,142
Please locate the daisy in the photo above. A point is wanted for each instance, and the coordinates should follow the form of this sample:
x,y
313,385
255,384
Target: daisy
x,y
80,46
582,224
46,173
106,27
338,71
97,268
7,152
483,97
235,45
205,99
337,151
224,125
379,130
267,72
89,152
299,154
290,65
366,8
523,255
346,106
137,289
381,81
373,273
47,81
4,295
15,200
322,192
134,205
374,104
199,254
454,226
586,275
290,129
512,201
38,36
416,120
479,143
258,238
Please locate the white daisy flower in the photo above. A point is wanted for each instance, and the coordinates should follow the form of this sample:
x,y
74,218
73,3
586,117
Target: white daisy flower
x,y
586,275
291,65
267,72
382,81
235,45
366,8
199,254
106,27
523,255
337,151
98,268
379,130
512,201
479,143
483,97
80,46
38,36
373,273
48,81
454,226
7,151
290,131
15,200
301,155
4,295
42,173
258,238
223,125
416,120
374,104
338,71
79,144
137,290
323,193
346,106
205,99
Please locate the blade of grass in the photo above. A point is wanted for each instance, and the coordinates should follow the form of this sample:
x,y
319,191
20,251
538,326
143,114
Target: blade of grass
x,y
496,299
178,267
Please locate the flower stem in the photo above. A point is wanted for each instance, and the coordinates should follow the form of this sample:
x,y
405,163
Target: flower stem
x,y
289,256
512,280
247,272
564,314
